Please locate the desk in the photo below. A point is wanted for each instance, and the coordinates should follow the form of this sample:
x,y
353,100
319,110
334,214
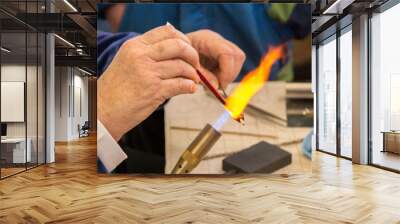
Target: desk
x,y
13,150
265,118
391,141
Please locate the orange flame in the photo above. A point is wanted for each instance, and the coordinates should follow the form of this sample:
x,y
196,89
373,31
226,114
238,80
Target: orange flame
x,y
253,82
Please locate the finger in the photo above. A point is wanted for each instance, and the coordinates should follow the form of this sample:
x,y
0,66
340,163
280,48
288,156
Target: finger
x,y
214,46
230,57
228,71
239,58
230,63
177,86
174,49
176,68
163,33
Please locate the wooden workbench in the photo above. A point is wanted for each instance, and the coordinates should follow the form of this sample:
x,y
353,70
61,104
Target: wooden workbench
x,y
265,120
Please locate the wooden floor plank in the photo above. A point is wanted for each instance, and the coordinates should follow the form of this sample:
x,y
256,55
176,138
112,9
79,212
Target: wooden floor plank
x,y
71,191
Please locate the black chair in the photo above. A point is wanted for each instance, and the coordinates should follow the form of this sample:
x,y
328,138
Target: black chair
x,y
84,130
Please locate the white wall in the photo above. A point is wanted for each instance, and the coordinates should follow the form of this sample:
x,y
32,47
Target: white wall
x,y
81,102
71,93
14,73
11,73
61,103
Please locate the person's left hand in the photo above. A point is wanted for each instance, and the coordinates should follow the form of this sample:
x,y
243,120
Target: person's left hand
x,y
221,60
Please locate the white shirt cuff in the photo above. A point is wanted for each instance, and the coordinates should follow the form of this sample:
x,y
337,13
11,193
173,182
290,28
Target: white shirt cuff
x,y
108,150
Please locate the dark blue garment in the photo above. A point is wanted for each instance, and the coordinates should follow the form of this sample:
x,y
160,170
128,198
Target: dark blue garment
x,y
101,10
107,46
100,167
247,25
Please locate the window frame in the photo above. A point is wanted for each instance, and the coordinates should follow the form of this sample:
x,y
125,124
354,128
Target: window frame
x,y
346,27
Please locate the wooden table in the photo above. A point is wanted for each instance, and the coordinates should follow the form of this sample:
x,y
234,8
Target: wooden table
x,y
391,141
13,150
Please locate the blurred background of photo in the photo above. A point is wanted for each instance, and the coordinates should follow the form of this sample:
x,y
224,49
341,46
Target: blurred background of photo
x,y
259,27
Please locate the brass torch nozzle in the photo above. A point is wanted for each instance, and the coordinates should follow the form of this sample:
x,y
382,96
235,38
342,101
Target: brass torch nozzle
x,y
200,146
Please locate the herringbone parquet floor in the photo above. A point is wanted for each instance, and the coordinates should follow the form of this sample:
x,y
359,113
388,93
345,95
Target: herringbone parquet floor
x,y
70,191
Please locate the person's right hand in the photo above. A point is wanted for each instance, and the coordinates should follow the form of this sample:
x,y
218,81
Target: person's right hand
x,y
147,70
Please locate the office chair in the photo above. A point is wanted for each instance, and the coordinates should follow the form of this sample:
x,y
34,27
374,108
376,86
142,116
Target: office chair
x,y
84,130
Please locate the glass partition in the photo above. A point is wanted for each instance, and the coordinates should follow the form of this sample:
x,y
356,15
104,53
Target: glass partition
x,y
22,88
32,88
31,100
15,150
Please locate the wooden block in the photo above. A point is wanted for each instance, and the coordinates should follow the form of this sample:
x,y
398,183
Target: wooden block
x,y
259,158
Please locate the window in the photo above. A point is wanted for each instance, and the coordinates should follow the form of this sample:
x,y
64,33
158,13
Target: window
x,y
385,89
346,92
327,95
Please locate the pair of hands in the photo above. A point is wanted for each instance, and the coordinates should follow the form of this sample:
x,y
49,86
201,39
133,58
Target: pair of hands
x,y
160,64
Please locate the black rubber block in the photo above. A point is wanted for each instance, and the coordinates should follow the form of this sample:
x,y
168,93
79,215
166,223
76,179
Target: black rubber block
x,y
259,158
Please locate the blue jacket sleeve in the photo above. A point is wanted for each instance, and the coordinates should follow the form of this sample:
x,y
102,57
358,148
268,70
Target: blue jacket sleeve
x,y
101,9
107,46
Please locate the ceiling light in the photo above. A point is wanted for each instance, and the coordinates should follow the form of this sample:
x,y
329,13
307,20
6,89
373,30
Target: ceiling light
x,y
70,5
65,41
5,50
80,51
